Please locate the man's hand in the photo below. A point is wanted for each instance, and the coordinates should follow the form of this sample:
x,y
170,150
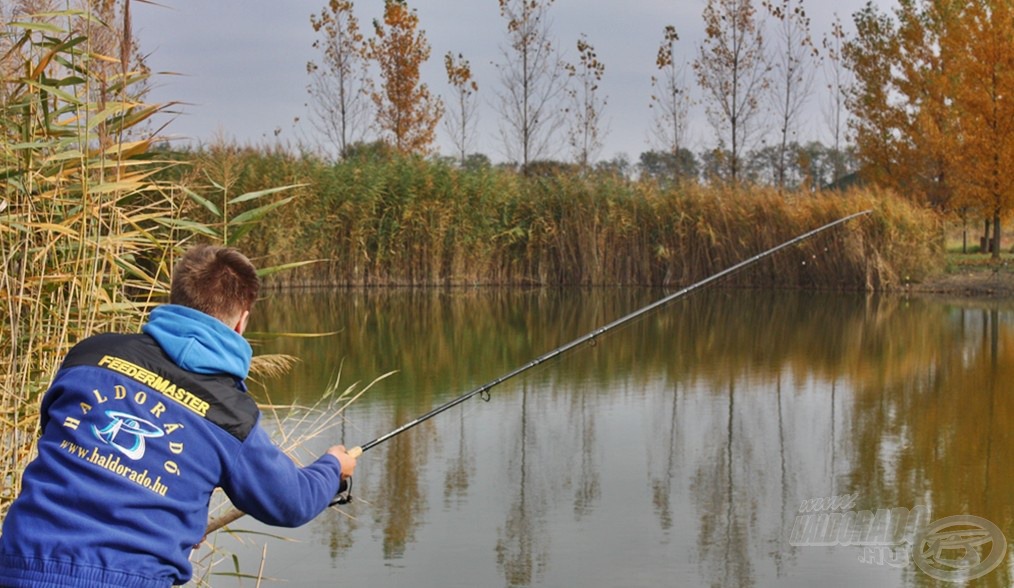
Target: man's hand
x,y
347,461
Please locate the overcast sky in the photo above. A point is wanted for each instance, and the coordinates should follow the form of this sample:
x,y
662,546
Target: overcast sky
x,y
239,66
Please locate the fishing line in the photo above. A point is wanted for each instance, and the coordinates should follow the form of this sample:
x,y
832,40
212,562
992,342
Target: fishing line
x,y
344,493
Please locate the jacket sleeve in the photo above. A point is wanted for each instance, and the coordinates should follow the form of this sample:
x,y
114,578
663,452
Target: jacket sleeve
x,y
264,482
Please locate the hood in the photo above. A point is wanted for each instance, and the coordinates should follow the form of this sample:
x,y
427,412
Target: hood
x,y
199,342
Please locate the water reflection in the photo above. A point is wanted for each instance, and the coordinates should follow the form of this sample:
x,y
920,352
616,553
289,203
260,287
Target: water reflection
x,y
682,444
460,468
940,435
522,551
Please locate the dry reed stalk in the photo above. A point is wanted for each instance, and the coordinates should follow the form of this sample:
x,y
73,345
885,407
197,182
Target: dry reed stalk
x,y
80,250
412,222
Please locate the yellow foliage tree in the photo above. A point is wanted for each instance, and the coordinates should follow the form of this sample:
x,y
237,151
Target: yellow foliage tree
x,y
405,108
932,110
980,146
897,120
732,70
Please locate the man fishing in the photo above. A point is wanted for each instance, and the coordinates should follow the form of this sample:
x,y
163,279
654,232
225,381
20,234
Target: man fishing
x,y
137,432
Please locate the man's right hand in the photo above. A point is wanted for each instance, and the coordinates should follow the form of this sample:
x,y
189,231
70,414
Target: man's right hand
x,y
347,461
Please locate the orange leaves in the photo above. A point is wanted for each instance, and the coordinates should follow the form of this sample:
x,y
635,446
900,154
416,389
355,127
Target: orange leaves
x,y
406,110
459,72
665,49
931,118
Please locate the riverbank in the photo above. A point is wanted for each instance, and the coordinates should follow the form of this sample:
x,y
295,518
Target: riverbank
x,y
972,276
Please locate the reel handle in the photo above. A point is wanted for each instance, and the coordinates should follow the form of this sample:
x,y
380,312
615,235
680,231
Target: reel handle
x,y
344,495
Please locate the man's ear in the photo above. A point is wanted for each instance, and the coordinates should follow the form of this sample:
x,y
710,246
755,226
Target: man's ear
x,y
242,322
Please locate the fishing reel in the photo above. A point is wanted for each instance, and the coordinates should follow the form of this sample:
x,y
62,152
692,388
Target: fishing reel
x,y
344,495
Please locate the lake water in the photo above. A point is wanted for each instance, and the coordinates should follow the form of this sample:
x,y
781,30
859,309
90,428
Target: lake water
x,y
676,450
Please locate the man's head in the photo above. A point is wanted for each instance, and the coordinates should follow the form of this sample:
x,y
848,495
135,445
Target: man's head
x,y
219,281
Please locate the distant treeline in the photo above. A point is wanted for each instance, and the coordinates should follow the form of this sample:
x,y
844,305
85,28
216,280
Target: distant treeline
x,y
381,218
812,166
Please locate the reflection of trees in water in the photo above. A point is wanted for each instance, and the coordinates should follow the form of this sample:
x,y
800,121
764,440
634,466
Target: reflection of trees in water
x,y
462,467
589,487
942,438
399,498
911,413
336,532
743,442
662,469
778,552
339,526
726,511
522,550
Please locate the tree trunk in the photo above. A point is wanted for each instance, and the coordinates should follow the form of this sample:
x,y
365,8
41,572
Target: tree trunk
x,y
996,234
964,234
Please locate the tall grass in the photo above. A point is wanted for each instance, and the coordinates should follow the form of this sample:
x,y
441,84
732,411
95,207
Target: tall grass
x,y
408,221
79,247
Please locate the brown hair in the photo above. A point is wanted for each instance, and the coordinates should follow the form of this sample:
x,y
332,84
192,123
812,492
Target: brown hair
x,y
219,281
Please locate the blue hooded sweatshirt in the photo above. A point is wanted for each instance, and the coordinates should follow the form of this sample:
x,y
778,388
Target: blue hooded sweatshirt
x,y
137,431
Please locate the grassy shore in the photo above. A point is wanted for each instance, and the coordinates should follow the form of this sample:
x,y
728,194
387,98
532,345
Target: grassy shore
x,y
970,275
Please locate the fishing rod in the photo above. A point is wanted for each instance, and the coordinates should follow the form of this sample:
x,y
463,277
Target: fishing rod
x,y
344,493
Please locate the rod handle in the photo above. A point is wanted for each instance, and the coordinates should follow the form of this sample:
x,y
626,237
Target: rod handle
x,y
355,451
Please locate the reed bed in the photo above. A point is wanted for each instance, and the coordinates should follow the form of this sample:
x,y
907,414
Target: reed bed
x,y
78,245
405,221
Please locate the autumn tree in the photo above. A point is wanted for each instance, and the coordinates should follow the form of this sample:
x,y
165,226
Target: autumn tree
x,y
878,124
792,74
979,141
339,86
931,103
898,99
461,122
670,102
586,131
922,72
531,80
405,109
838,79
732,70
